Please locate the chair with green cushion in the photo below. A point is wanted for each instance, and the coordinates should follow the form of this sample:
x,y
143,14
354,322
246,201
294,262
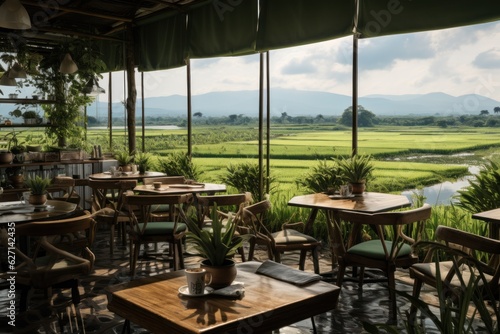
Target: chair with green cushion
x,y
394,232
144,228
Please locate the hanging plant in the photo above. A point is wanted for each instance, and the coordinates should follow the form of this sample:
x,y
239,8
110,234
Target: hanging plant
x,y
66,114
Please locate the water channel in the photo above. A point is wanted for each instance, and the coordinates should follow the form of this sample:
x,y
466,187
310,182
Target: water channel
x,y
443,193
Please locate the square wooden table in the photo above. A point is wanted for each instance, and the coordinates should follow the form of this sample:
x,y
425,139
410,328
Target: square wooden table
x,y
155,304
492,217
369,202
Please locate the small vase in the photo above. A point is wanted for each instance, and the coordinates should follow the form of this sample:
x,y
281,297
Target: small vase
x,y
222,276
37,199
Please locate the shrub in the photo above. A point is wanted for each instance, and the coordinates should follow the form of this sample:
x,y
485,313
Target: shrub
x,y
245,177
323,177
483,192
178,163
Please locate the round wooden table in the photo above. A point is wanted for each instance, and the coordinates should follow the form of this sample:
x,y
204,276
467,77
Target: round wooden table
x,y
125,176
23,213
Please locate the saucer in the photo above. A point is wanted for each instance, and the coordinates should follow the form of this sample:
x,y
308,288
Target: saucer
x,y
340,196
183,290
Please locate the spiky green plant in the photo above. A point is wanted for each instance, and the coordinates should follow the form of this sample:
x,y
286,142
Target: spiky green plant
x,y
322,177
356,169
38,185
216,244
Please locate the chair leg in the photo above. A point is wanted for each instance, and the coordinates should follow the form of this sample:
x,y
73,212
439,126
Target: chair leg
x,y
251,249
392,296
112,239
302,259
315,260
178,254
134,256
417,286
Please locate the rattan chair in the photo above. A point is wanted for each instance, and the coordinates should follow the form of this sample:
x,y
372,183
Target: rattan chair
x,y
144,229
107,205
253,220
389,249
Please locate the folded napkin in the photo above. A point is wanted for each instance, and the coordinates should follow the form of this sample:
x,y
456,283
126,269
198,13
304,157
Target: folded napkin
x,y
286,274
235,290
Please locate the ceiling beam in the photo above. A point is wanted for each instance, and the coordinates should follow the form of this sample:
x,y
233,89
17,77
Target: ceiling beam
x,y
54,5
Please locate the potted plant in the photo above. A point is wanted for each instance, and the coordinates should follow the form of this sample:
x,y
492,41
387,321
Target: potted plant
x,y
124,160
38,186
143,161
216,245
357,170
30,117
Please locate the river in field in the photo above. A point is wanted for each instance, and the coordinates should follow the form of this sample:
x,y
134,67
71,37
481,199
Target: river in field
x,y
443,193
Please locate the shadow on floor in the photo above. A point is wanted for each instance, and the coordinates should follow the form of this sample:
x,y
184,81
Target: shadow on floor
x,y
91,316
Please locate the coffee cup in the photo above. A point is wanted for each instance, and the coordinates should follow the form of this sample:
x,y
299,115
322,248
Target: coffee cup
x,y
157,185
345,190
25,198
197,279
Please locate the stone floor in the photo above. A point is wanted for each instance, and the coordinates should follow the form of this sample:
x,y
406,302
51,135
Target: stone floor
x,y
355,306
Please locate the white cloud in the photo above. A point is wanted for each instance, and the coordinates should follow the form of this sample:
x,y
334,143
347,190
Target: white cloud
x,y
454,61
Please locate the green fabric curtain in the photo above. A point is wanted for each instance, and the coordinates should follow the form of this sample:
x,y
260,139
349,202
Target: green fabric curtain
x,y
387,17
222,28
285,23
112,53
161,44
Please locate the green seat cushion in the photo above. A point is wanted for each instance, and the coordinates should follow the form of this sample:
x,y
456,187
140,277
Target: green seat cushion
x,y
159,228
373,249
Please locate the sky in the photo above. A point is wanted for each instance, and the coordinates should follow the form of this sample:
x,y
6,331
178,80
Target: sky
x,y
454,61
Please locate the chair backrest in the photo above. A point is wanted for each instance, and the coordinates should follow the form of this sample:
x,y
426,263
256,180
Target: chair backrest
x,y
50,273
141,206
165,180
395,221
225,204
252,220
63,188
109,193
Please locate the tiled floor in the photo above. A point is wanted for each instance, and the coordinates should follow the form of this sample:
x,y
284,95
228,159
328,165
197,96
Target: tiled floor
x,y
355,306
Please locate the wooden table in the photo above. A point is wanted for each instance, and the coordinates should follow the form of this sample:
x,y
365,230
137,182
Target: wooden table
x,y
369,202
28,213
155,304
175,189
493,218
125,176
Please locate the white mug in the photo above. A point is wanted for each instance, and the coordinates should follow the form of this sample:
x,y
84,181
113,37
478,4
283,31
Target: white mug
x,y
25,199
134,168
345,190
197,279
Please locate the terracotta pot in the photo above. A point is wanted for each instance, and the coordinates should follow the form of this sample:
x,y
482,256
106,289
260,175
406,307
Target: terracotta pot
x,y
17,181
37,199
6,157
222,276
358,188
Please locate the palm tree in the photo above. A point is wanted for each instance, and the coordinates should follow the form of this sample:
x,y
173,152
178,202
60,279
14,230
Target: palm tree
x,y
496,110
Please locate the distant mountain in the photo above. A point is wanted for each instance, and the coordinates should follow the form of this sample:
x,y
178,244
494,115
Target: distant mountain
x,y
301,103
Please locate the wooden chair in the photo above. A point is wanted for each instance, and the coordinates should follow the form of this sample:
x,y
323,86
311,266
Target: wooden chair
x,y
288,239
107,205
461,266
50,266
227,206
63,188
144,230
383,253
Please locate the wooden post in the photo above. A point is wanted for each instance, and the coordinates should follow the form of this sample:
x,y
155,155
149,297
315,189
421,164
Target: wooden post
x,y
131,89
